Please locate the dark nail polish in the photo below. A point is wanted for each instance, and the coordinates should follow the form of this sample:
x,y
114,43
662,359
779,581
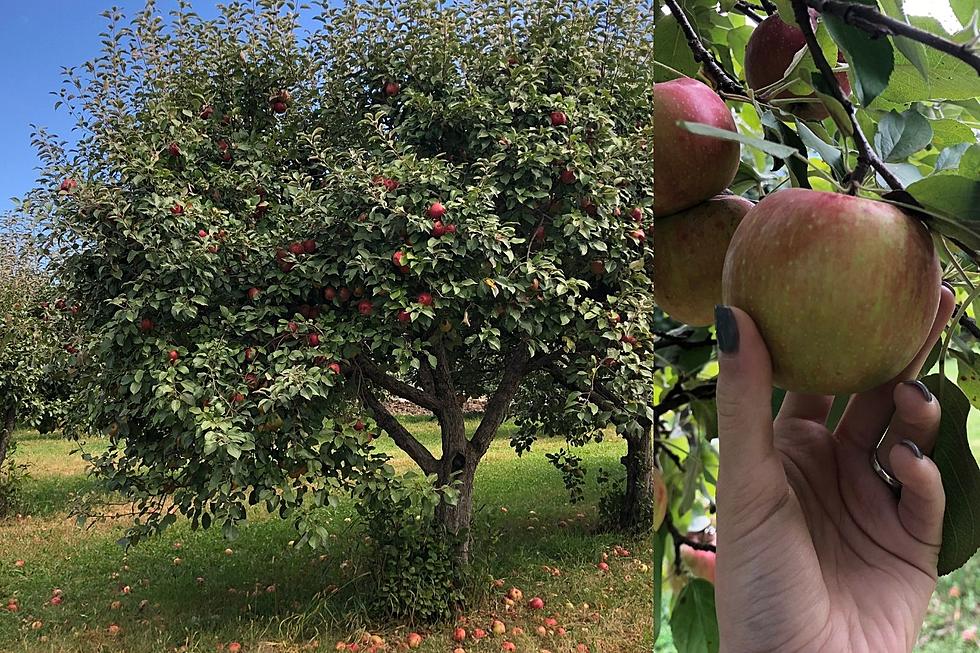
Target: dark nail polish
x,y
921,387
913,447
727,329
950,286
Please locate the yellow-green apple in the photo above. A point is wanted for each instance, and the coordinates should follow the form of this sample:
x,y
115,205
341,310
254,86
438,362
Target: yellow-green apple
x,y
769,53
844,289
689,168
690,255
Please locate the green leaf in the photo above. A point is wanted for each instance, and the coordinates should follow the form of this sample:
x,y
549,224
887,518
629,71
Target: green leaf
x,y
961,477
968,366
871,61
693,622
777,150
964,10
952,195
901,135
949,79
779,131
914,51
830,154
671,49
659,545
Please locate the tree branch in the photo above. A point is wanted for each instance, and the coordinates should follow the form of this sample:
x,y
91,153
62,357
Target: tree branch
x,y
872,21
678,397
402,437
723,81
748,10
399,388
496,408
680,538
866,155
970,325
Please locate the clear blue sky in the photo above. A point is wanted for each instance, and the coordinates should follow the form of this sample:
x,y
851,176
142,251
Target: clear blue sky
x,y
37,39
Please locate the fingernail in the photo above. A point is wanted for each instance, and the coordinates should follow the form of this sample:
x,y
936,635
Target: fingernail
x,y
727,329
921,387
950,286
913,447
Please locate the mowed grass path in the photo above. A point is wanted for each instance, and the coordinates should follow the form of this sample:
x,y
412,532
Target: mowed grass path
x,y
272,597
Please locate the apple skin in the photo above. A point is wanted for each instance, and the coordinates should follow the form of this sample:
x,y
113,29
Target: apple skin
x,y
688,168
844,289
770,52
690,255
701,563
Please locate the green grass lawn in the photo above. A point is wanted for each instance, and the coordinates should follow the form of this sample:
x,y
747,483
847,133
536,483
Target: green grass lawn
x,y
272,597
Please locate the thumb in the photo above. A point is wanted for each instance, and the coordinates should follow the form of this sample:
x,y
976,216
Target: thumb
x,y
744,399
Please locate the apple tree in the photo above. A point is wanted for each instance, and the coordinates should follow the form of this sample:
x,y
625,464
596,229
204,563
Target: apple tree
x,y
816,165
268,231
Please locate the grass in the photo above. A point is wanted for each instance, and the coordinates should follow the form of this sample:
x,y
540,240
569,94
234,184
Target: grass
x,y
272,597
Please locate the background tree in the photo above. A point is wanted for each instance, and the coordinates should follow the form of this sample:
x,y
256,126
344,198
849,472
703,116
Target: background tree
x,y
879,105
266,232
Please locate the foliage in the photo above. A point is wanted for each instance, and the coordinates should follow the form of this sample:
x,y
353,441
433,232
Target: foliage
x,y
918,109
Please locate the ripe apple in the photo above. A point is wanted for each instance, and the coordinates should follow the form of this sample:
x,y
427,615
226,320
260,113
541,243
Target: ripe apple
x,y
177,209
202,233
174,149
637,214
497,627
404,316
313,339
514,594
56,600
146,324
309,246
425,299
629,339
414,640
770,51
329,293
538,235
344,294
701,563
536,603
598,267
391,89
568,176
364,307
843,289
690,254
438,229
292,326
207,111
173,355
688,168
603,566
638,235
359,425
558,118
508,646
253,293
69,185
437,211
459,634
234,647
238,398
296,249
451,229
279,107
479,633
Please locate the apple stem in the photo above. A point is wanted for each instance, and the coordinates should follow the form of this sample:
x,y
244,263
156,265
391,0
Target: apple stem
x,y
872,21
723,81
867,158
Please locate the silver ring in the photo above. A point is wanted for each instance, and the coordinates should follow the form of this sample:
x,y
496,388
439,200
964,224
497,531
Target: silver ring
x,y
882,473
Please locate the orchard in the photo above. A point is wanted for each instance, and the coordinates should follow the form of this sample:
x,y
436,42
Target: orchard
x,y
816,167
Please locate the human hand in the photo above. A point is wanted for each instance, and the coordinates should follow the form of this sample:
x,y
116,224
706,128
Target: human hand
x,y
815,551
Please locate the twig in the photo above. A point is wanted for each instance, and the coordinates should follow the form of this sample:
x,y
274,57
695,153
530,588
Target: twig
x,y
678,396
768,6
866,155
680,538
970,325
725,82
747,10
867,18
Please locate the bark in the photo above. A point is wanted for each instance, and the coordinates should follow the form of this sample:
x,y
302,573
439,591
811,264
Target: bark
x,y
637,508
7,431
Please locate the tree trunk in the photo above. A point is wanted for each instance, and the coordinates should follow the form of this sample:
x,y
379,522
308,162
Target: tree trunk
x,y
637,509
7,431
458,463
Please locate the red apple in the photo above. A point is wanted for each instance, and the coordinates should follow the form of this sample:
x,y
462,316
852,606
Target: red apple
x,y
450,228
364,307
329,293
701,563
603,566
538,235
637,214
391,89
770,51
207,112
174,149
334,367
238,398
309,246
843,289
479,633
425,299
279,107
69,185
313,339
173,355
344,294
438,229
404,316
414,640
598,267
296,249
638,235
510,647
146,324
689,168
568,176
536,603
177,209
234,647
629,339
459,634
558,118
437,211
253,293
249,353
292,326
690,254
